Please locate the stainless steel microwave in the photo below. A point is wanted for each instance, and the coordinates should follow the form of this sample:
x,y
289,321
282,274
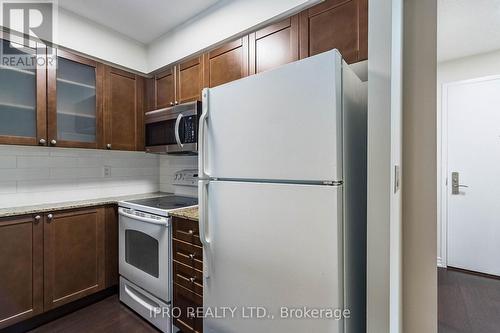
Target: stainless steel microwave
x,y
173,130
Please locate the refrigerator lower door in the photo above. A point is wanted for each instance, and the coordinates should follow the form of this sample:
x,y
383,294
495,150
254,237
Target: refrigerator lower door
x,y
273,251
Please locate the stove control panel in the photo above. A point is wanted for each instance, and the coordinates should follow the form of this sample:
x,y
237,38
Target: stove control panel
x,y
186,177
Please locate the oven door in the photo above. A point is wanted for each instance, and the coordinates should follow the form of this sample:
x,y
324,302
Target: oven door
x,y
144,251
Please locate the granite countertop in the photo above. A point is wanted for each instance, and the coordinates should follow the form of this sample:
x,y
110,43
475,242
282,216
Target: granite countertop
x,y
190,213
25,210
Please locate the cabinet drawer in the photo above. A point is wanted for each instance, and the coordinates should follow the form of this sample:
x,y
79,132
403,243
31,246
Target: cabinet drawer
x,y
187,302
187,231
188,254
188,277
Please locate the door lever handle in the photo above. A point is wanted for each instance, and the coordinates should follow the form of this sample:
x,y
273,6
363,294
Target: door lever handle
x,y
455,183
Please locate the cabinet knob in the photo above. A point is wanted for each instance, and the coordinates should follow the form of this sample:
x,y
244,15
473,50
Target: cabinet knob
x,y
42,142
37,218
53,142
108,146
171,103
190,232
176,102
191,256
50,217
192,279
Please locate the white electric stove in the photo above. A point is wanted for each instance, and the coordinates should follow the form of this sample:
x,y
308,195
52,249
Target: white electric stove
x,y
145,252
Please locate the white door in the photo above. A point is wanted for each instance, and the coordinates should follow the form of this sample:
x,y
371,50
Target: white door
x,y
282,124
272,246
473,144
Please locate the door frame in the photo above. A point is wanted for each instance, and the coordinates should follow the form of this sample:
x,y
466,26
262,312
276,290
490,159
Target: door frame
x,y
442,261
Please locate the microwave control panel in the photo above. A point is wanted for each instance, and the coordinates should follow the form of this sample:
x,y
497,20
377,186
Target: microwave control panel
x,y
190,130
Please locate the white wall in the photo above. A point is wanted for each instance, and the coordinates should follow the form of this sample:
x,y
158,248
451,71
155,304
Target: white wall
x,y
419,167
85,36
384,313
220,23
38,175
476,66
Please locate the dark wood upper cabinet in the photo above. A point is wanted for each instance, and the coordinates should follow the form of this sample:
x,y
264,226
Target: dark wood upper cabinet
x,y
189,80
275,45
149,94
21,267
123,110
165,88
22,96
74,99
74,255
226,63
340,24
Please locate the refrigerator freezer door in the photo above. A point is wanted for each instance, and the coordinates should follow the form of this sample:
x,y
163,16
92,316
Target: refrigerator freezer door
x,y
272,246
284,124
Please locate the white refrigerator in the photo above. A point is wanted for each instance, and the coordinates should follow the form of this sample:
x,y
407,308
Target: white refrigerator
x,y
282,190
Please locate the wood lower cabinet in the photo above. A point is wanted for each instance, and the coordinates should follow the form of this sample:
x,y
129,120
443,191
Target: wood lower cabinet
x,y
111,245
274,45
50,259
226,63
123,109
21,269
74,255
340,24
188,274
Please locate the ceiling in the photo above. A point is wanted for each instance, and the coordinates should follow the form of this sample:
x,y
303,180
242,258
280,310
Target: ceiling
x,y
143,20
467,27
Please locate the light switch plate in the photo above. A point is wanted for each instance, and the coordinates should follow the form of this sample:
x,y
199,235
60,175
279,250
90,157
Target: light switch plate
x,y
397,178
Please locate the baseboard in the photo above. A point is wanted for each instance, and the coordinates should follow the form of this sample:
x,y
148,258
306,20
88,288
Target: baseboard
x,y
46,317
466,271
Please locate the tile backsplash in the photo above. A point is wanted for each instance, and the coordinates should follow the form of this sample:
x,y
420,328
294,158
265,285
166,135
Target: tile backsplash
x,y
38,175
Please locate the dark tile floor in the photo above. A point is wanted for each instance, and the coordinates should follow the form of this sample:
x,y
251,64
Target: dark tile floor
x,y
106,316
468,303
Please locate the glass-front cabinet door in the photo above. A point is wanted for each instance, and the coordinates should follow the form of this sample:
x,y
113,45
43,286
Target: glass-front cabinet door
x,y
22,92
74,102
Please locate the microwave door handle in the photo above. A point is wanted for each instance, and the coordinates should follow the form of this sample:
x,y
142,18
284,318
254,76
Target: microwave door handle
x,y
177,125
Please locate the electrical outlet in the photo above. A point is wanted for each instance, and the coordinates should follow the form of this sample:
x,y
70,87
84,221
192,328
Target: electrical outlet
x,y
107,171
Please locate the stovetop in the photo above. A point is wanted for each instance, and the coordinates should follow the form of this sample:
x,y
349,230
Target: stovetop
x,y
160,206
166,202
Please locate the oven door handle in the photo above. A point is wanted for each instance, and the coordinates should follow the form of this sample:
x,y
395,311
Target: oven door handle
x,y
177,125
122,212
152,309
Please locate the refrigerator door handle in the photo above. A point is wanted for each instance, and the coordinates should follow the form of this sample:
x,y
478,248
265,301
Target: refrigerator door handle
x,y
201,139
203,222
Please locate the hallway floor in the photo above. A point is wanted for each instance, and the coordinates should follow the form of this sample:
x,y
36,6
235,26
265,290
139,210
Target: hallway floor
x,y
467,303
